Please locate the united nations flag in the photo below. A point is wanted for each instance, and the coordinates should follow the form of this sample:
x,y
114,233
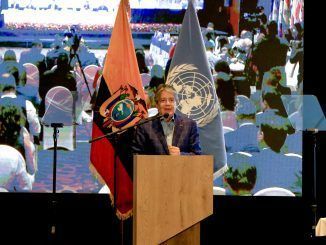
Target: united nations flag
x,y
190,75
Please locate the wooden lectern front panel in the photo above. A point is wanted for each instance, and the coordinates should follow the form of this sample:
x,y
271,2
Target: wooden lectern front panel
x,y
171,194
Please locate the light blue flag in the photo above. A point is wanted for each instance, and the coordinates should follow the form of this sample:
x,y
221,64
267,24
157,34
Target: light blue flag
x,y
190,75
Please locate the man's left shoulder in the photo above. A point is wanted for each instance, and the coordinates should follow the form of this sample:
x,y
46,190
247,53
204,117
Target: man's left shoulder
x,y
185,119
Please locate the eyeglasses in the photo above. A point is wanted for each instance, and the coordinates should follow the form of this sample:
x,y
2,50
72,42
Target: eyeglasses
x,y
165,101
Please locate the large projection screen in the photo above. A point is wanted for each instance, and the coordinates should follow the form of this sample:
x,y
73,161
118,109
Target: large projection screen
x,y
253,164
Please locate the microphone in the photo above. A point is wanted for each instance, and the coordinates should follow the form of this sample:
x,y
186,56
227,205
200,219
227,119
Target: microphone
x,y
158,116
165,116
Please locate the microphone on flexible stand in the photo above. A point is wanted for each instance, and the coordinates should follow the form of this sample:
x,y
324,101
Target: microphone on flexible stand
x,y
165,116
158,116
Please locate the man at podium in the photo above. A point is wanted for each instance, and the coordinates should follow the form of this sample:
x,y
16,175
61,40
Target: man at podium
x,y
168,133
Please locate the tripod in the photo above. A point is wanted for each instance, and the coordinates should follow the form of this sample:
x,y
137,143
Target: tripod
x,y
73,53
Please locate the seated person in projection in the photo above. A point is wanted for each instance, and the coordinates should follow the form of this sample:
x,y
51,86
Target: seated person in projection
x,y
275,169
140,55
244,138
226,93
61,76
86,56
11,66
271,100
34,55
14,135
53,54
9,98
275,79
241,180
174,135
13,173
157,78
211,57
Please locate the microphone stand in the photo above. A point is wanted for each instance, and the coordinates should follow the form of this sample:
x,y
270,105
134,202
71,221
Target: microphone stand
x,y
314,206
114,136
131,126
55,127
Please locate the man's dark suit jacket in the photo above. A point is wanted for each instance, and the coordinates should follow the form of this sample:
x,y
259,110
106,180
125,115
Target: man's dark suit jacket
x,y
150,138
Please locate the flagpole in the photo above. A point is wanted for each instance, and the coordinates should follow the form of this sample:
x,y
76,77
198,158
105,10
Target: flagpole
x,y
115,142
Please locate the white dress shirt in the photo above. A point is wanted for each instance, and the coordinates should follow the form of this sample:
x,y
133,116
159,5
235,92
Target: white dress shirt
x,y
13,173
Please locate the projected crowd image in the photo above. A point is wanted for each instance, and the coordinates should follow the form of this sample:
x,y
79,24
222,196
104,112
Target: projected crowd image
x,y
52,61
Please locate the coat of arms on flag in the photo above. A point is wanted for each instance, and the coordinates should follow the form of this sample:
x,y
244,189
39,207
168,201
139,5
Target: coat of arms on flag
x,y
123,109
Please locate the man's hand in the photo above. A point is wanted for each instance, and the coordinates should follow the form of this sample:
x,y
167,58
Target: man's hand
x,y
173,150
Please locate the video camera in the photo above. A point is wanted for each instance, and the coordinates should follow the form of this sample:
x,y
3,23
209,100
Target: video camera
x,y
72,38
296,44
254,19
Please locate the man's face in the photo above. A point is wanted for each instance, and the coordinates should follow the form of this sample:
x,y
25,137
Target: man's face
x,y
166,103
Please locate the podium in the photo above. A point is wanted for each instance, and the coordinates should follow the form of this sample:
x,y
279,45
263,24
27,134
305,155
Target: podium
x,y
171,195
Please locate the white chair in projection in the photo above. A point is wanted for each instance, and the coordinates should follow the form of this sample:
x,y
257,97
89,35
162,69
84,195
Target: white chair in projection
x,y
275,191
59,108
90,72
84,98
32,75
30,90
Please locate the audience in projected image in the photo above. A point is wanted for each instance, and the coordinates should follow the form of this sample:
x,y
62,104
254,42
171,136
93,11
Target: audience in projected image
x,y
276,79
297,45
269,52
243,117
9,97
23,166
52,55
34,56
271,100
140,55
86,56
241,176
212,58
244,138
11,66
13,173
275,169
60,76
226,93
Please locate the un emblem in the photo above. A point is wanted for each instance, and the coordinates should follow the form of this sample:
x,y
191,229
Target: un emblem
x,y
196,93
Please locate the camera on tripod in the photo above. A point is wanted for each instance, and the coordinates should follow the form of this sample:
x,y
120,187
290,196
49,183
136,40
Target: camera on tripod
x,y
254,19
72,39
76,42
296,44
